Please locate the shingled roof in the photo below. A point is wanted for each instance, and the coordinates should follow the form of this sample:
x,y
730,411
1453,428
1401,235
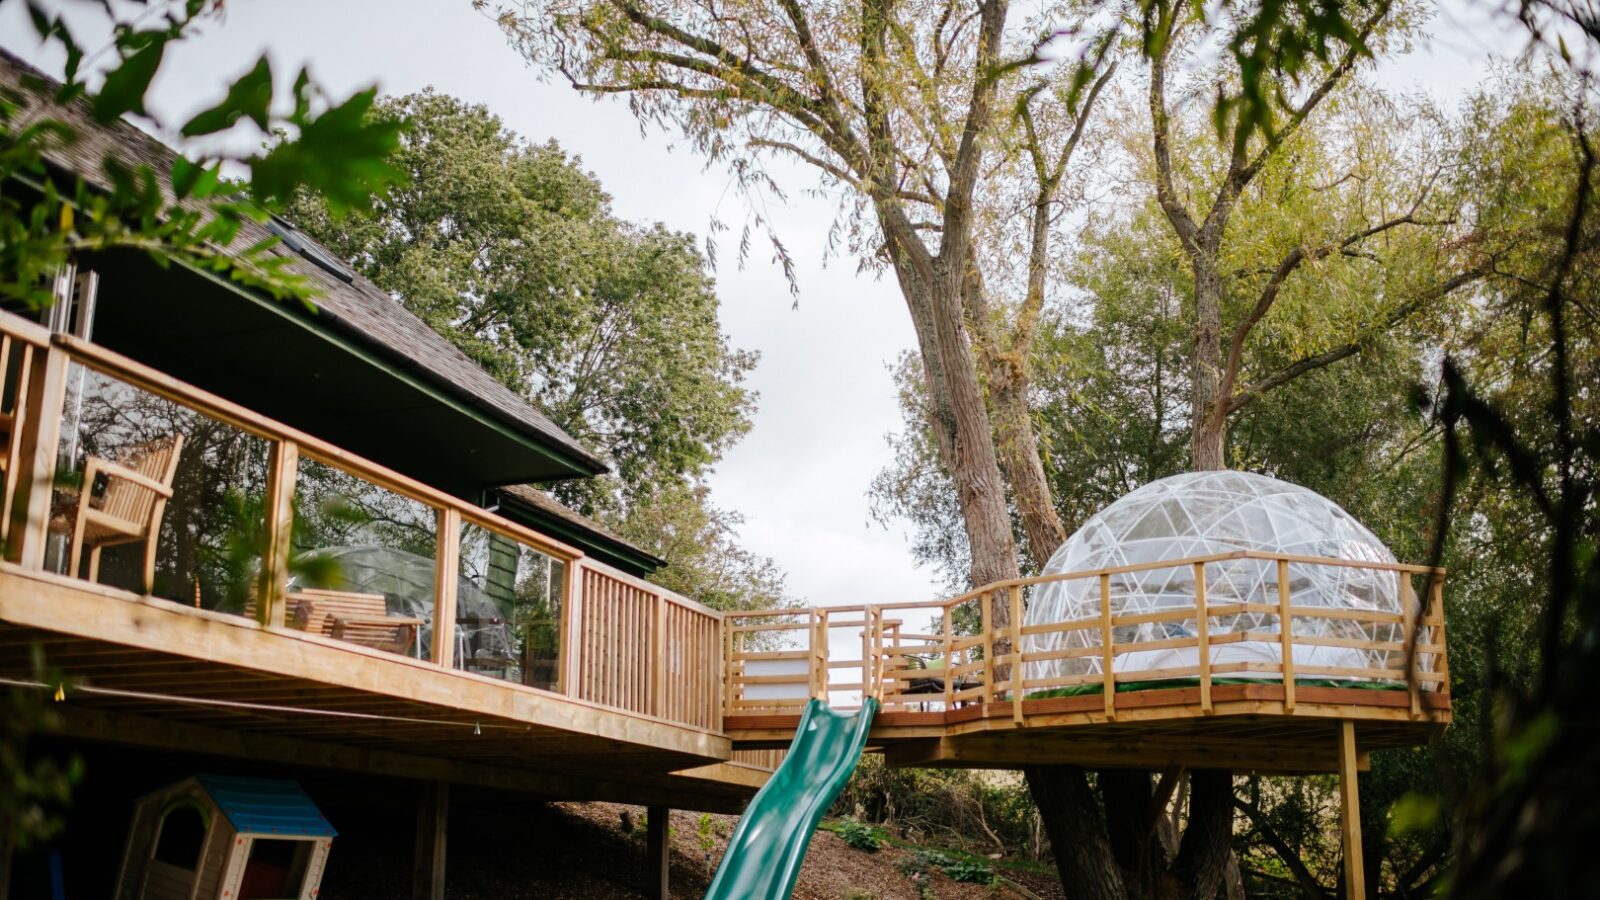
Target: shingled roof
x,y
550,515
357,308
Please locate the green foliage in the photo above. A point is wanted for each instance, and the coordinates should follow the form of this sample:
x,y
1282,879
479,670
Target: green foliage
x,y
860,835
957,868
959,807
607,327
34,791
329,146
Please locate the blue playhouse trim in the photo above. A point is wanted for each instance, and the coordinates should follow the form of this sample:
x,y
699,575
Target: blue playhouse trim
x,y
266,806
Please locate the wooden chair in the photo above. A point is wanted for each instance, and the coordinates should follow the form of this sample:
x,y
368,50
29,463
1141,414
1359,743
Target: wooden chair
x,y
130,511
358,618
11,424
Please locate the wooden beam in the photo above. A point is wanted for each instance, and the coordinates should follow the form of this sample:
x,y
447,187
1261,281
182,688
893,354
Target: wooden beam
x,y
36,458
59,604
1355,874
1010,751
658,852
1286,635
702,789
433,823
446,571
282,470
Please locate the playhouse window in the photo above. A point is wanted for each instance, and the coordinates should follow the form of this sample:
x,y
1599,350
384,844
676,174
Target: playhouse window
x,y
276,869
183,833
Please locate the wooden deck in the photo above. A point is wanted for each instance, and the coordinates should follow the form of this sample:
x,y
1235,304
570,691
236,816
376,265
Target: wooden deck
x,y
1247,730
146,671
628,709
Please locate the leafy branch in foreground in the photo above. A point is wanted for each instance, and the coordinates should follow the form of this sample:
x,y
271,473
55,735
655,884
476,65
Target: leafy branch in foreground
x,y
46,219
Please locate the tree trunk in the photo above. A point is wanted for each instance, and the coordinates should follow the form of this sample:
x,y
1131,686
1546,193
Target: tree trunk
x,y
1018,448
959,419
1208,443
1077,835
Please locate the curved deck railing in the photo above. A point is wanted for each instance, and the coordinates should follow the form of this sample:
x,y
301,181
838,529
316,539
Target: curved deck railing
x,y
976,647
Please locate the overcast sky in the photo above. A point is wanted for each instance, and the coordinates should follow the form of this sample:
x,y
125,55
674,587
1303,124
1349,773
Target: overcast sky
x,y
827,400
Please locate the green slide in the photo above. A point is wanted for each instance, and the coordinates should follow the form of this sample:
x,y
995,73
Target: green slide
x,y
765,853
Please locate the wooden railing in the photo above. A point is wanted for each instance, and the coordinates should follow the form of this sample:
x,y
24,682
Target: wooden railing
x,y
644,649
976,647
624,643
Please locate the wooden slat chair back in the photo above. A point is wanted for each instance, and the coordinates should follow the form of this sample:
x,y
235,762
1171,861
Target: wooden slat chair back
x,y
358,618
13,354
130,511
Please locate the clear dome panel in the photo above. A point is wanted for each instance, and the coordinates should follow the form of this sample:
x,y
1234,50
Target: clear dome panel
x,y
1204,514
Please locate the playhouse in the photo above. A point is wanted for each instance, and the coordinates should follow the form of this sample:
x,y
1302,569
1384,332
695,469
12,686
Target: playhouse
x,y
216,837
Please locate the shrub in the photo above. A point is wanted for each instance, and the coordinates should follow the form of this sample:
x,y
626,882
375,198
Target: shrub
x,y
861,835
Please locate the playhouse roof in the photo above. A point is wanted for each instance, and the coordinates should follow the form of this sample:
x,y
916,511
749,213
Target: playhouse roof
x,y
266,806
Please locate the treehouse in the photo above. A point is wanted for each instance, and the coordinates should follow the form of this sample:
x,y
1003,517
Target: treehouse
x,y
276,535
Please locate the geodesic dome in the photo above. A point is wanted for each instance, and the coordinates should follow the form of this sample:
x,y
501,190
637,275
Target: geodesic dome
x,y
1206,513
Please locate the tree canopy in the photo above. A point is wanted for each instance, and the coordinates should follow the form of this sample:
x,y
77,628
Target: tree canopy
x,y
511,250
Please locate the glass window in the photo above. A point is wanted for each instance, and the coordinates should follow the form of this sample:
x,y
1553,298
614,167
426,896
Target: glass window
x,y
508,609
201,544
362,564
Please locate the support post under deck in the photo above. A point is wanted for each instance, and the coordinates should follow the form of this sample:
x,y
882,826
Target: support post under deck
x,y
658,852
1355,873
433,819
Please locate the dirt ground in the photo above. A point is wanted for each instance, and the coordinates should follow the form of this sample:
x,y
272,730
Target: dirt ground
x,y
580,850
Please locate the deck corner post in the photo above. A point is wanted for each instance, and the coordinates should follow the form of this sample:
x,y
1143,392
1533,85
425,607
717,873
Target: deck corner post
x,y
658,852
433,818
446,572
283,463
1350,813
34,480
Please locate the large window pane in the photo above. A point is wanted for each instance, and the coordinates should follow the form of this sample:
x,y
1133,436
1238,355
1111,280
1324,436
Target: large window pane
x,y
119,444
362,565
508,610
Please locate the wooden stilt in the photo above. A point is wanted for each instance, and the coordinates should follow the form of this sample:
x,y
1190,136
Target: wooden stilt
x,y
433,818
658,852
1355,878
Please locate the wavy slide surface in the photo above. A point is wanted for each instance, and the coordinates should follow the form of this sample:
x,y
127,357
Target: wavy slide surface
x,y
765,853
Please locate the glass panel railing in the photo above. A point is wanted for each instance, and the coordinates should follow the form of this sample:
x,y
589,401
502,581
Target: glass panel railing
x,y
362,561
508,609
152,495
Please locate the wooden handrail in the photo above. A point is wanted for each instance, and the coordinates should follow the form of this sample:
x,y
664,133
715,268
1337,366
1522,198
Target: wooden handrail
x,y
677,677
967,679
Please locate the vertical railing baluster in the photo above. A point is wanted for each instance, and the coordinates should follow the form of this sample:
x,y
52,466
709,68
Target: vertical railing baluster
x,y
1436,606
658,664
1286,635
949,659
1410,629
819,657
1108,650
1203,631
1015,657
986,618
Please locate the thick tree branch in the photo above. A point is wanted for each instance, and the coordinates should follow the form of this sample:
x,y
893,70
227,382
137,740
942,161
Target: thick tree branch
x,y
1269,294
1165,31
1326,358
